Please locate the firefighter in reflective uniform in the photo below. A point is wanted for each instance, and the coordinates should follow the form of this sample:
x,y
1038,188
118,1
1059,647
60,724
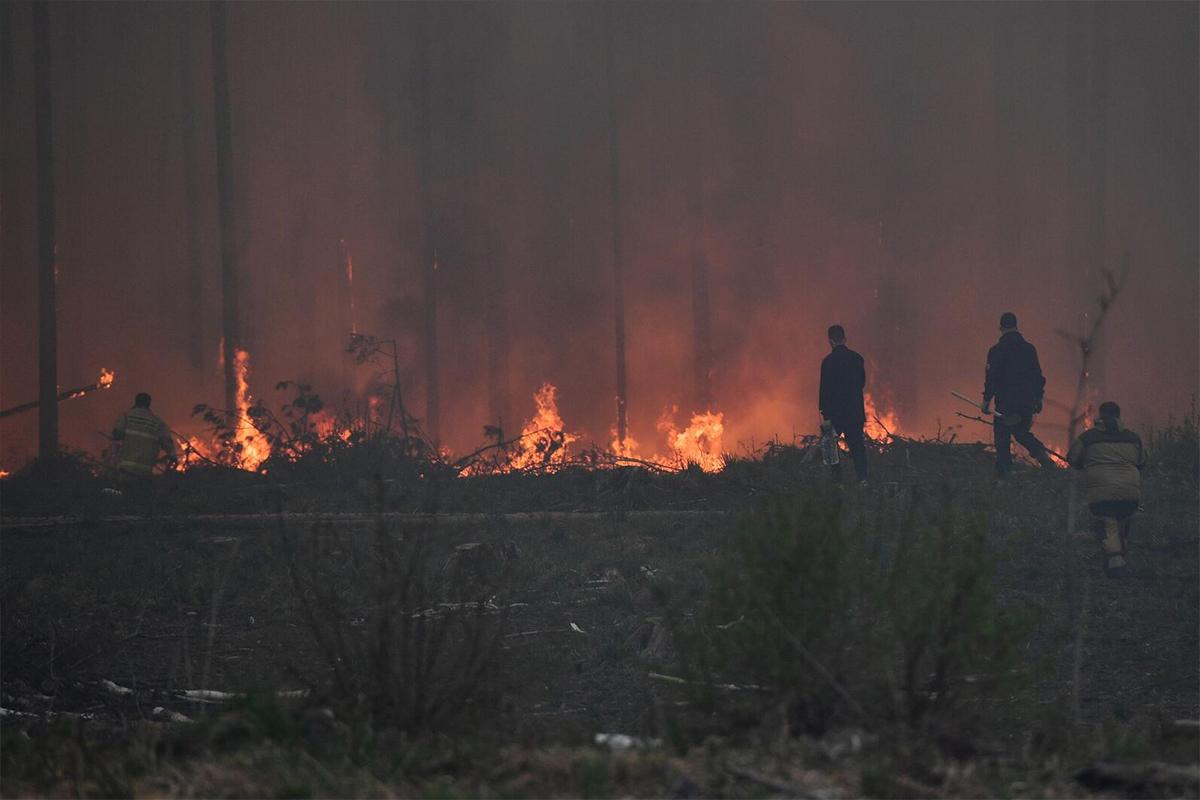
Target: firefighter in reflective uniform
x,y
139,436
1112,458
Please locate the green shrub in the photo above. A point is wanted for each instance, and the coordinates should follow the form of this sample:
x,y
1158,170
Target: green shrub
x,y
889,620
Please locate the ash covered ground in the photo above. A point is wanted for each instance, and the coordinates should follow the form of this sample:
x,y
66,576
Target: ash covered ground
x,y
228,644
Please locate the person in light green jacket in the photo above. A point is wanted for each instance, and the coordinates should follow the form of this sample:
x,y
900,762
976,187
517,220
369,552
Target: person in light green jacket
x,y
139,436
1112,458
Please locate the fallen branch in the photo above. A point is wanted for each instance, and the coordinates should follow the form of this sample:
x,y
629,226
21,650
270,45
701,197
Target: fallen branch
x,y
783,787
727,687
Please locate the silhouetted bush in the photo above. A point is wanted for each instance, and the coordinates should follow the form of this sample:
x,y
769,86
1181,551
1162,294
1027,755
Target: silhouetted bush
x,y
398,654
887,620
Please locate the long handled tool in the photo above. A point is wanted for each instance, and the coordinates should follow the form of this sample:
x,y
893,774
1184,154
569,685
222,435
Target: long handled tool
x,y
992,423
970,402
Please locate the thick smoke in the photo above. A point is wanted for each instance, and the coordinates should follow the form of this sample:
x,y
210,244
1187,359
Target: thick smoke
x,y
907,170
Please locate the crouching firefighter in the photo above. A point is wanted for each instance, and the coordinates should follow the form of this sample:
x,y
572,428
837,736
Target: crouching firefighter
x,y
1112,459
139,435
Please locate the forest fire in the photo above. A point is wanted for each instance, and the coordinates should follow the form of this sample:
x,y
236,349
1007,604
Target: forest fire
x,y
544,439
242,445
881,425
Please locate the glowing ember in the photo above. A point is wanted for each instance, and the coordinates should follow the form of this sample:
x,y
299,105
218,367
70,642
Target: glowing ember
x,y
327,426
4,474
544,439
106,378
880,425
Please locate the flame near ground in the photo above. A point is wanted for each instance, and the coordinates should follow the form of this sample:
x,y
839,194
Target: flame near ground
x,y
544,444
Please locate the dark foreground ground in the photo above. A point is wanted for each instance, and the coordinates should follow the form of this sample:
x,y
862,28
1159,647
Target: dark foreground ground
x,y
112,622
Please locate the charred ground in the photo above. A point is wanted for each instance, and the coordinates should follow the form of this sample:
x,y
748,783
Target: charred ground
x,y
584,584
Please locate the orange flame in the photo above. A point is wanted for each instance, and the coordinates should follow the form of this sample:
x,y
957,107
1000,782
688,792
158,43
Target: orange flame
x,y
544,439
255,446
880,425
699,443
327,425
4,474
106,378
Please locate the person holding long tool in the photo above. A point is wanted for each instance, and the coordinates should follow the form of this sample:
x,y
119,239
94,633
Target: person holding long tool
x,y
1014,379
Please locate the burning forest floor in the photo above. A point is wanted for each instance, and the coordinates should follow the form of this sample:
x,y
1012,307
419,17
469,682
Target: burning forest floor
x,y
337,634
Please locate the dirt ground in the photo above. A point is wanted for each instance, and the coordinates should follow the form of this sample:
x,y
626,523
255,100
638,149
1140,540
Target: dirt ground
x,y
108,621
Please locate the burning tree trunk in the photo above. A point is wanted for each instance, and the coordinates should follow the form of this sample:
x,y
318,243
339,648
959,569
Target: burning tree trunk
x,y
47,324
614,156
231,338
429,254
193,280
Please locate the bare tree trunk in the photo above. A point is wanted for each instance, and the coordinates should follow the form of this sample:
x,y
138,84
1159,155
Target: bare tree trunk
x,y
697,220
1097,127
429,255
47,323
193,283
1008,206
221,115
894,308
496,320
614,155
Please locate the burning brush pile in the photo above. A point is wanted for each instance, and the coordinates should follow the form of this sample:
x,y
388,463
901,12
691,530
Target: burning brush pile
x,y
253,438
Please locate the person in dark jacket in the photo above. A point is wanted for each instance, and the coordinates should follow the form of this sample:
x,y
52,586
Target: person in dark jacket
x,y
1112,459
1014,379
843,377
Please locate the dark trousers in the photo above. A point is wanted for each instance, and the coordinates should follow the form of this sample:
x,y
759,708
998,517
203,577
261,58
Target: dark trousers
x,y
1004,433
853,433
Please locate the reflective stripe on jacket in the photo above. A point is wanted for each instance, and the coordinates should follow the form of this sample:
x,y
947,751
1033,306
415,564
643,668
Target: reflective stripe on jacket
x,y
1112,462
140,435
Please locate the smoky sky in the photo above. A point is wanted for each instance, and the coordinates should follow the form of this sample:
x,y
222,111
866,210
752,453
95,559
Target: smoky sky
x,y
907,170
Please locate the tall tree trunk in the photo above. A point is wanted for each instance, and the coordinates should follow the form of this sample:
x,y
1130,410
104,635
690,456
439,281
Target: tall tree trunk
x,y
614,158
1008,208
696,227
895,315
1096,248
193,282
496,320
47,324
221,116
429,220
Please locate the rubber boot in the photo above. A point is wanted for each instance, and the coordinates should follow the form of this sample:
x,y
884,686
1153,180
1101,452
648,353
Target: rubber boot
x,y
1114,551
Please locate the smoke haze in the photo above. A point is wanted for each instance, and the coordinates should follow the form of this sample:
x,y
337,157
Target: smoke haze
x,y
907,170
